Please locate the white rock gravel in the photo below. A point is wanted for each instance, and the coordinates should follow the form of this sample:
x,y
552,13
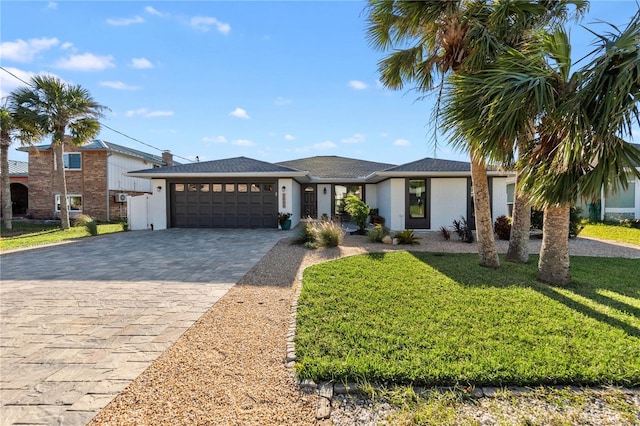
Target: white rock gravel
x,y
229,369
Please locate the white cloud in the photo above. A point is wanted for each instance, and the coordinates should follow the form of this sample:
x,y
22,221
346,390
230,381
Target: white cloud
x,y
289,137
215,139
204,23
8,83
141,63
357,138
401,142
85,62
52,5
239,113
243,142
25,51
282,101
358,85
324,145
123,22
144,112
150,10
67,46
118,85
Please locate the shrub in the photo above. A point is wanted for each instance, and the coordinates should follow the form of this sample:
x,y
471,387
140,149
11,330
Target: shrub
x,y
377,233
630,223
283,217
306,234
87,222
575,219
328,234
461,227
357,209
446,234
502,227
407,236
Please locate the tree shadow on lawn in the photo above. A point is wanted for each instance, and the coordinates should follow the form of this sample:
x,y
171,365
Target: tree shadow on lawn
x,y
591,276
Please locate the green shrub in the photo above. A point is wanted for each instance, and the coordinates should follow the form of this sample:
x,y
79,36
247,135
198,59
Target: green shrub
x,y
328,234
306,234
630,223
408,236
575,219
377,233
461,227
357,209
502,227
86,221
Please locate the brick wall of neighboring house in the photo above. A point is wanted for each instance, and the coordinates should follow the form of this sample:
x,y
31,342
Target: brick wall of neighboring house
x,y
89,182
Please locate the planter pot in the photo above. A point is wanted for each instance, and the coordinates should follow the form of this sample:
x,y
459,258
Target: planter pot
x,y
286,225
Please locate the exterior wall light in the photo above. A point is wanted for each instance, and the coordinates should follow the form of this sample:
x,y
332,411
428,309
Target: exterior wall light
x,y
284,188
158,188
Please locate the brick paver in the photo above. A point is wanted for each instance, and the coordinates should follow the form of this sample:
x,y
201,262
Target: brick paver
x,y
80,321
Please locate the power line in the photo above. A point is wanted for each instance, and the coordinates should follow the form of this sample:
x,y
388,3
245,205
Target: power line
x,y
104,125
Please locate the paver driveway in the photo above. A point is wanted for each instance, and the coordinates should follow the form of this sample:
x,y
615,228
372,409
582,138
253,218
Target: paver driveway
x,y
80,321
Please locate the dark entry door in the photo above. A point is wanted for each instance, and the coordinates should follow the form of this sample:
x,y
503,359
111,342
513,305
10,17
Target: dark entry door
x,y
309,201
418,215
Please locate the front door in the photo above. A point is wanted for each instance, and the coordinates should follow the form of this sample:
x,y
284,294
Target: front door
x,y
417,208
309,201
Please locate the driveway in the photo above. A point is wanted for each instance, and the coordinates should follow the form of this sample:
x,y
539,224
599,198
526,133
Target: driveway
x,y
80,321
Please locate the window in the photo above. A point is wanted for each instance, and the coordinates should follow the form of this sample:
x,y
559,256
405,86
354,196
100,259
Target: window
x,y
72,160
417,198
340,193
179,187
511,188
73,201
623,199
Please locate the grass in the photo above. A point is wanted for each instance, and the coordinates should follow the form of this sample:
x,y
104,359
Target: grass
x,y
29,234
612,232
436,319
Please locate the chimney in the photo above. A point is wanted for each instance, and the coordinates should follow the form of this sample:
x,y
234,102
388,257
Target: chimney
x,y
167,157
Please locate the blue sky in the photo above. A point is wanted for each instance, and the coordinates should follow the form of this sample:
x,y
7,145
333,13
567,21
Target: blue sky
x,y
270,80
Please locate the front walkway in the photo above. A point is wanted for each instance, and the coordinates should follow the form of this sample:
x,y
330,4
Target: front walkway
x,y
80,321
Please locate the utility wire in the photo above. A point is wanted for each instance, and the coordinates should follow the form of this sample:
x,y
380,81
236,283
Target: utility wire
x,y
104,125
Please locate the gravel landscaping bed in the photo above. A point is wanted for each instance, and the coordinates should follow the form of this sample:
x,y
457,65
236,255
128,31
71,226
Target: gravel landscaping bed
x,y
229,369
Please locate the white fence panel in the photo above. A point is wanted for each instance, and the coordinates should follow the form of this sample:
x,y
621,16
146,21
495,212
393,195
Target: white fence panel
x,y
138,212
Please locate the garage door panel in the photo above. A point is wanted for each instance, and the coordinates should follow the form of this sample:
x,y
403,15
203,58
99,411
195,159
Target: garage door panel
x,y
223,204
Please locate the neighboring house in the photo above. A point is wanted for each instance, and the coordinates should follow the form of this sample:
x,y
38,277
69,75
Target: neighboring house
x,y
97,183
246,193
19,180
624,204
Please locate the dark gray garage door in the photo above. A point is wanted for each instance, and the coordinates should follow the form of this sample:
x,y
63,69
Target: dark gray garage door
x,y
224,205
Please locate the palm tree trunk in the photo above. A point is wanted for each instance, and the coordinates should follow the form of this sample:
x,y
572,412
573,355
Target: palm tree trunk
x,y
7,212
62,185
482,210
554,267
518,251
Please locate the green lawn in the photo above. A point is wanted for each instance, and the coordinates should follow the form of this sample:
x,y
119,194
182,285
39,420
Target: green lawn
x,y
28,234
612,232
440,319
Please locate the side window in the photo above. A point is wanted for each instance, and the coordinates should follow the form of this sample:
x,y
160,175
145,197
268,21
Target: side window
x,y
72,160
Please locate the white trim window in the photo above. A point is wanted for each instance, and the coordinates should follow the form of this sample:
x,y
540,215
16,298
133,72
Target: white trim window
x,y
74,201
72,161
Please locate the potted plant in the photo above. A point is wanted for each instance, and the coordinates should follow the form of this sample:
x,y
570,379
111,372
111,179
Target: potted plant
x,y
284,220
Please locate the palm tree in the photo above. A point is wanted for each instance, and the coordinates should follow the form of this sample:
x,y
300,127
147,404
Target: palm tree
x,y
7,127
434,38
50,106
582,120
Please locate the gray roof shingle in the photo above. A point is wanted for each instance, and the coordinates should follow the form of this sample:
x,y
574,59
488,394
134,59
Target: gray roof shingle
x,y
228,165
432,165
333,167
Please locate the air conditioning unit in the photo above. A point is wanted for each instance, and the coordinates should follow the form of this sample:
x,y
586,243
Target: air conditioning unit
x,y
121,198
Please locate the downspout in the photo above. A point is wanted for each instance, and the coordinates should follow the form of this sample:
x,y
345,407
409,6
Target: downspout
x,y
107,175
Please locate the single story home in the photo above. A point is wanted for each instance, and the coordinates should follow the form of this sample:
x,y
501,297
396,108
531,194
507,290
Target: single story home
x,y
246,193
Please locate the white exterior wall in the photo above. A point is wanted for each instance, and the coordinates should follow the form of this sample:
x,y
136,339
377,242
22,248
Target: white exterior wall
x,y
371,195
296,208
448,201
499,197
158,205
324,200
117,167
289,200
390,201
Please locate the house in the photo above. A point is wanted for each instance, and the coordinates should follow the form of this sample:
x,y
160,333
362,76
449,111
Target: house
x,y
19,183
246,193
97,183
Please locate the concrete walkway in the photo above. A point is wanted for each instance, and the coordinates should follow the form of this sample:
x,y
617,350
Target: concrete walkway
x,y
80,321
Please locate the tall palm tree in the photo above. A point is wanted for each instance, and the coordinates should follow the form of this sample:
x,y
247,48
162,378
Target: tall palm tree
x,y
49,106
7,128
582,120
433,38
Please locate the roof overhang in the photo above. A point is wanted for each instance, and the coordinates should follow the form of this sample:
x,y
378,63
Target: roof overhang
x,y
160,175
492,173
